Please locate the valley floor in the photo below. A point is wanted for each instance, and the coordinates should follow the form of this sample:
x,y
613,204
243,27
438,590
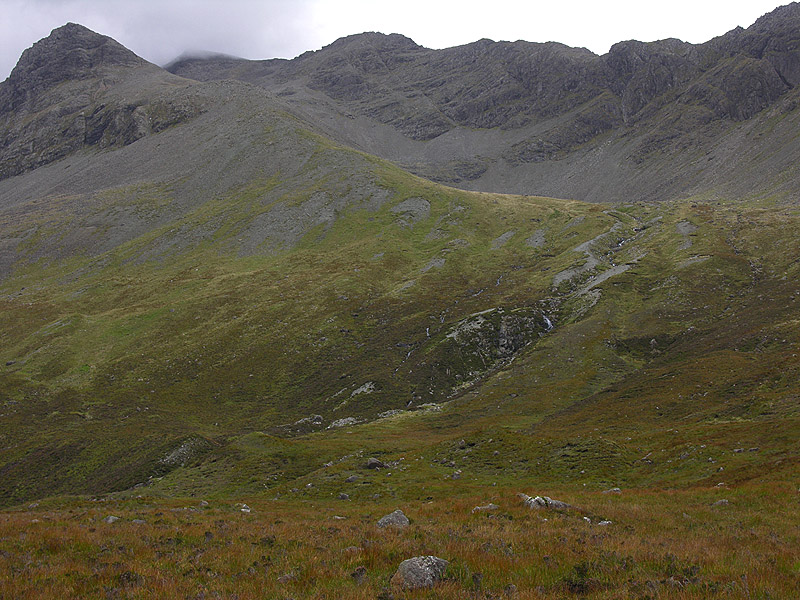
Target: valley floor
x,y
703,542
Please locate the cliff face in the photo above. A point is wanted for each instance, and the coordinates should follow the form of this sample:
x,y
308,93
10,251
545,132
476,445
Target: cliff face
x,y
424,93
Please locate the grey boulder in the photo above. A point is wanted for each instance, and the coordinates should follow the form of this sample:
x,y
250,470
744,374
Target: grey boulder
x,y
420,572
394,519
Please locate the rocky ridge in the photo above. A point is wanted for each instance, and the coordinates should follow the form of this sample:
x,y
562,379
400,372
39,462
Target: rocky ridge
x,y
439,112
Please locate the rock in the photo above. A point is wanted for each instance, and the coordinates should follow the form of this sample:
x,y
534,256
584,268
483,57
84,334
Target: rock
x,y
488,507
604,523
111,519
203,503
510,590
543,502
288,577
722,502
536,240
374,463
138,521
394,519
344,422
245,508
614,490
434,263
420,572
312,420
352,479
411,211
344,496
502,240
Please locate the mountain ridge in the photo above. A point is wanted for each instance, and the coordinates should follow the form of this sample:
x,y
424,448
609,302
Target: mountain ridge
x,y
516,117
556,103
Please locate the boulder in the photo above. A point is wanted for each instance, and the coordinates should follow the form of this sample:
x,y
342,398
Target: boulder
x,y
374,463
543,502
420,572
394,519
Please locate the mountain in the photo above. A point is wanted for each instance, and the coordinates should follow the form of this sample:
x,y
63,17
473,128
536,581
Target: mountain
x,y
216,287
547,119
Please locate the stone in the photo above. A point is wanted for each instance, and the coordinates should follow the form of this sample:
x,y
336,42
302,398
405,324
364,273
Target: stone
x,y
312,420
394,519
352,479
345,422
374,463
420,572
487,508
722,502
287,577
110,519
543,502
344,496
614,490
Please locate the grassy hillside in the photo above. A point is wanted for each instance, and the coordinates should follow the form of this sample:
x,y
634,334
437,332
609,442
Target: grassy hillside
x,y
638,344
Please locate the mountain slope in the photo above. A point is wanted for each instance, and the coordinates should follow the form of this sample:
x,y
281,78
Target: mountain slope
x,y
551,120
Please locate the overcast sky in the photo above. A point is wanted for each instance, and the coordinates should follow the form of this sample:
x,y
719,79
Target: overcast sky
x,y
161,30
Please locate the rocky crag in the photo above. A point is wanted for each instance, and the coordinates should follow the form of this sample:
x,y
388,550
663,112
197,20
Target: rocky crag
x,y
532,118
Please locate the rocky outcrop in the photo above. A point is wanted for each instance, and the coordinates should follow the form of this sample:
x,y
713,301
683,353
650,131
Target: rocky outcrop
x,y
61,98
543,502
